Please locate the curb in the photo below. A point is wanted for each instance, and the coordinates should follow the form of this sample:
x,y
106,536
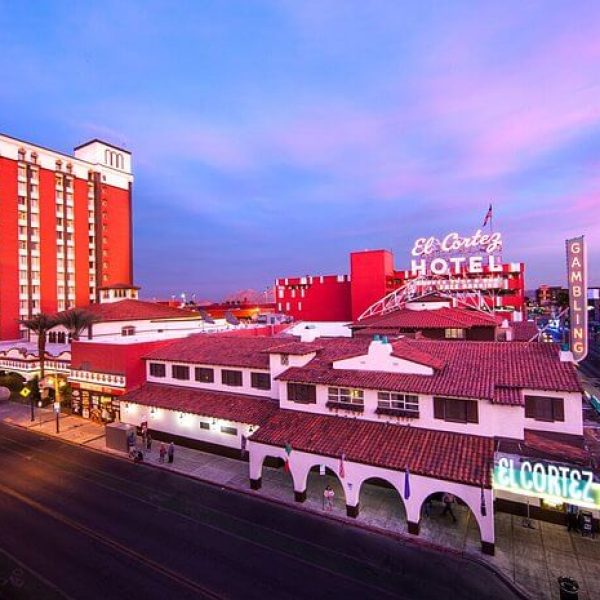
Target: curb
x,y
414,540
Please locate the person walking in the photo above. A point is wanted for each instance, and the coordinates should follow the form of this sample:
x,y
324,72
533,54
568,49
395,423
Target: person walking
x,y
149,442
162,452
171,452
328,496
448,501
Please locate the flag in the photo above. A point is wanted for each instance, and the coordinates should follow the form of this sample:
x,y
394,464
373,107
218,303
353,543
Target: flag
x,y
488,216
483,507
406,484
341,470
286,464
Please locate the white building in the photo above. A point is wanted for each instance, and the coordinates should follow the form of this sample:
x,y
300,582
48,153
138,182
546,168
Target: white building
x,y
425,416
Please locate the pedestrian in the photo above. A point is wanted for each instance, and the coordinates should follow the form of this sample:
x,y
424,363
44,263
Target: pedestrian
x,y
448,501
149,442
328,496
162,452
171,451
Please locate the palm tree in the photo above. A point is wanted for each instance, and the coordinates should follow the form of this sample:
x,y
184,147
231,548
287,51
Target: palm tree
x,y
76,320
41,324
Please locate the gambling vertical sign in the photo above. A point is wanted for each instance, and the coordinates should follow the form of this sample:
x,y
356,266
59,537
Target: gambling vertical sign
x,y
577,275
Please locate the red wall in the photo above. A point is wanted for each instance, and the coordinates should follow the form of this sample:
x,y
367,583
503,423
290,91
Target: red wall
x,y
9,269
115,216
328,300
368,273
48,241
116,359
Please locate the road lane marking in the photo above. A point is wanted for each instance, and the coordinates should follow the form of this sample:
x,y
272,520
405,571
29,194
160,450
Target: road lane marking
x,y
112,544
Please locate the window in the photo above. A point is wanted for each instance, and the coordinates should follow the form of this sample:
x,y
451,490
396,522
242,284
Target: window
x,y
233,378
345,398
204,374
391,403
52,337
128,329
204,425
285,359
302,393
261,381
229,430
180,372
455,334
158,370
544,408
455,410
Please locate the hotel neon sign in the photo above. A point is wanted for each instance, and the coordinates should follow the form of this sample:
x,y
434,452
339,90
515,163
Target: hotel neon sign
x,y
452,253
554,483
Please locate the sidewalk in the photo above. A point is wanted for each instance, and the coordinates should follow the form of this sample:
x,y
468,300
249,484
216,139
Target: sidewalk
x,y
532,558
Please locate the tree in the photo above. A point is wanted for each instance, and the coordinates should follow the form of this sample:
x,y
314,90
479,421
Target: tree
x,y
76,320
41,324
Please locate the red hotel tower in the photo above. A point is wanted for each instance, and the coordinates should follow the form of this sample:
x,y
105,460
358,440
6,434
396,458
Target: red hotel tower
x,y
66,227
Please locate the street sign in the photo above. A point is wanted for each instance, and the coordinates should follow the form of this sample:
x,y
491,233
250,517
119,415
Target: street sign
x,y
25,392
56,407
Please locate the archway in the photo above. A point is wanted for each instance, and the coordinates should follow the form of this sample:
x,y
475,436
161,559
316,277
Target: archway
x,y
319,477
276,481
382,505
448,520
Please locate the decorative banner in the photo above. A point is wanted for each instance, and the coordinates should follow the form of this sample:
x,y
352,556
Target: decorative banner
x,y
556,483
577,277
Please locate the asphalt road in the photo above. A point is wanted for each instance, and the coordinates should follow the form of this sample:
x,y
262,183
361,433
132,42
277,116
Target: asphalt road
x,y
79,524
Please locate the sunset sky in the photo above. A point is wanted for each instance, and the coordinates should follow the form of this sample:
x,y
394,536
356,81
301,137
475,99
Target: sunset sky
x,y
273,138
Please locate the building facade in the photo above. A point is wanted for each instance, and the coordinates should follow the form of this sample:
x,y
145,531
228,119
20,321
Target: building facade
x,y
373,276
425,416
66,225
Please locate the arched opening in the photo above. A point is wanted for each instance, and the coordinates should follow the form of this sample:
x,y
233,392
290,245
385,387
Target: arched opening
x,y
276,481
321,478
382,505
449,520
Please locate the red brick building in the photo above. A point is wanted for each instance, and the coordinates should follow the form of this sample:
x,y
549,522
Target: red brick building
x,y
66,227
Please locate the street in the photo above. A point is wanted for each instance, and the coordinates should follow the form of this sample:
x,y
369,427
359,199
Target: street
x,y
79,524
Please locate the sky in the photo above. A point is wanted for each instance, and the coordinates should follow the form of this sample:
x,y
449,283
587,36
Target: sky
x,y
272,138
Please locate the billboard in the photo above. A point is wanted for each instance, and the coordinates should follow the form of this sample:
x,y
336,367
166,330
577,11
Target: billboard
x,y
577,281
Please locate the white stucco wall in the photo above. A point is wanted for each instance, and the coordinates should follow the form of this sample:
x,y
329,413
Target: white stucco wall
x,y
494,420
217,386
187,425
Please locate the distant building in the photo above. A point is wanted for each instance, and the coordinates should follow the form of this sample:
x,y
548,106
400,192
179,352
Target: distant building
x,y
552,296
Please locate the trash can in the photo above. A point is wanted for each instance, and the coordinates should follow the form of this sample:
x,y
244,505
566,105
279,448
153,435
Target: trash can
x,y
569,588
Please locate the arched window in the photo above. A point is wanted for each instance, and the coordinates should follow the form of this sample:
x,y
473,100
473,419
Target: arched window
x,y
21,153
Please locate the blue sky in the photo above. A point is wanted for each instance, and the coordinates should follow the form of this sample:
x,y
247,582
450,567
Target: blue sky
x,y
273,138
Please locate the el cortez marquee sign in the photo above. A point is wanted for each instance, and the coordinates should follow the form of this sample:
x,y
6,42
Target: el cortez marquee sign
x,y
577,276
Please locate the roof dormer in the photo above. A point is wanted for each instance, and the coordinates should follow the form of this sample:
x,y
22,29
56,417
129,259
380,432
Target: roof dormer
x,y
388,357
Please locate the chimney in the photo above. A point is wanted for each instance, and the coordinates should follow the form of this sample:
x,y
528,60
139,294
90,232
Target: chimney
x,y
380,346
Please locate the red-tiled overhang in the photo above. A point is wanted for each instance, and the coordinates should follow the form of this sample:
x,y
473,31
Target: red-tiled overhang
x,y
471,370
220,405
137,310
442,455
440,318
216,349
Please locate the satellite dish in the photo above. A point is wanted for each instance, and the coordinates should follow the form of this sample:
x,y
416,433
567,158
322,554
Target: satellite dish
x,y
231,319
205,316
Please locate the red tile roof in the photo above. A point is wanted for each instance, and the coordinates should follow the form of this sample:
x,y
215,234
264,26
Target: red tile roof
x,y
137,310
441,318
471,370
218,405
523,331
217,349
296,347
451,456
508,395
